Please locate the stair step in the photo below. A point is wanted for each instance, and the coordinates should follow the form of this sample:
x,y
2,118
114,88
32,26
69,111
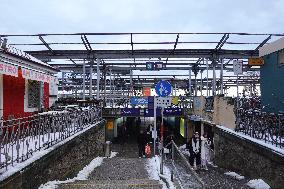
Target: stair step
x,y
113,184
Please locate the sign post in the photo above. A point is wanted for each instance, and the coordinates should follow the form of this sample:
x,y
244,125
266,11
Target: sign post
x,y
163,89
238,69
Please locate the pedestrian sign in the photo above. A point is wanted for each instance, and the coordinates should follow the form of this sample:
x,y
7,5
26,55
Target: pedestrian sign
x,y
163,88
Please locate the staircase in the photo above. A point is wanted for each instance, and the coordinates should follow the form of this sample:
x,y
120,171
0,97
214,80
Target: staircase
x,y
113,184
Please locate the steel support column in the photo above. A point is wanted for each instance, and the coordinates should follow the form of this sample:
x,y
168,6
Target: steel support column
x,y
201,84
221,77
189,81
84,77
98,79
62,83
91,81
131,82
214,79
207,84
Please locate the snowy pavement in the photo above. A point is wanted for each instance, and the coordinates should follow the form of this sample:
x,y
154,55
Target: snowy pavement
x,y
218,178
82,175
123,170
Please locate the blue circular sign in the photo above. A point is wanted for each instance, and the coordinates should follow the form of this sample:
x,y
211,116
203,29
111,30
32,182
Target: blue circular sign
x,y
163,88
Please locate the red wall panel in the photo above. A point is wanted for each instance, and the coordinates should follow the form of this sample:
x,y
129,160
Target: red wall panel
x,y
13,95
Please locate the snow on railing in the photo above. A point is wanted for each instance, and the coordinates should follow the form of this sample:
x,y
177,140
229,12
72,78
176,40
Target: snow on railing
x,y
21,137
10,49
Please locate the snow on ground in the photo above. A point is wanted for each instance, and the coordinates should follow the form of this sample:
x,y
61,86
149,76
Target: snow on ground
x,y
261,142
82,175
37,155
153,168
234,175
212,164
258,184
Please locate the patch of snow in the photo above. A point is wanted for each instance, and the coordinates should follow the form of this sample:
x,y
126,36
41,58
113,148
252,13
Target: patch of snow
x,y
153,168
212,164
183,147
113,154
184,150
235,175
278,150
258,184
12,169
167,175
82,175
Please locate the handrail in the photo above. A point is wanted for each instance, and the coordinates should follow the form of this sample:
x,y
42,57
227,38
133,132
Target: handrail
x,y
188,165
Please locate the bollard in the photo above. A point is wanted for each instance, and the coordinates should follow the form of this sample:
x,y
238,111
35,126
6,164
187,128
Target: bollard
x,y
107,149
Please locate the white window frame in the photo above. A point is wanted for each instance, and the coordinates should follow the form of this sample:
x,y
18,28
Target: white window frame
x,y
26,105
280,58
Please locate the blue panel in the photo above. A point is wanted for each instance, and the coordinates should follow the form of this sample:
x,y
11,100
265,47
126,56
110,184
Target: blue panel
x,y
167,112
172,112
139,100
151,105
130,112
271,83
150,99
150,65
163,88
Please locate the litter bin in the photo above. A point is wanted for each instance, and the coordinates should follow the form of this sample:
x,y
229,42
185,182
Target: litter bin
x,y
107,149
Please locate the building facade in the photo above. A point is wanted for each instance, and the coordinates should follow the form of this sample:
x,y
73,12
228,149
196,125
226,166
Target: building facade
x,y
271,73
27,85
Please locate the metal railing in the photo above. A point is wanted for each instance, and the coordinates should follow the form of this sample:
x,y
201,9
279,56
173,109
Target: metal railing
x,y
22,137
268,127
180,167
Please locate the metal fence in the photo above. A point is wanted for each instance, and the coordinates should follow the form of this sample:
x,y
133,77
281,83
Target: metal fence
x,y
22,137
268,127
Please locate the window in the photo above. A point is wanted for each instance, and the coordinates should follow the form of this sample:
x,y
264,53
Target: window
x,y
281,57
33,93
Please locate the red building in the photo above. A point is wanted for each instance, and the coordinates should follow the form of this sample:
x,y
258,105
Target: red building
x,y
27,85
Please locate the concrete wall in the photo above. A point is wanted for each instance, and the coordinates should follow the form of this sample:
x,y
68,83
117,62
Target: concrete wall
x,y
62,163
272,89
248,158
223,113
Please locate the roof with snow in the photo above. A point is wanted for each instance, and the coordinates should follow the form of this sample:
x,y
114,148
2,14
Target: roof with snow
x,y
272,47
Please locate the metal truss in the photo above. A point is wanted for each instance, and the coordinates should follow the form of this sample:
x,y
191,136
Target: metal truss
x,y
116,64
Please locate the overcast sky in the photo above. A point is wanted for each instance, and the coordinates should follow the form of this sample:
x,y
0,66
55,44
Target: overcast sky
x,y
55,16
71,16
